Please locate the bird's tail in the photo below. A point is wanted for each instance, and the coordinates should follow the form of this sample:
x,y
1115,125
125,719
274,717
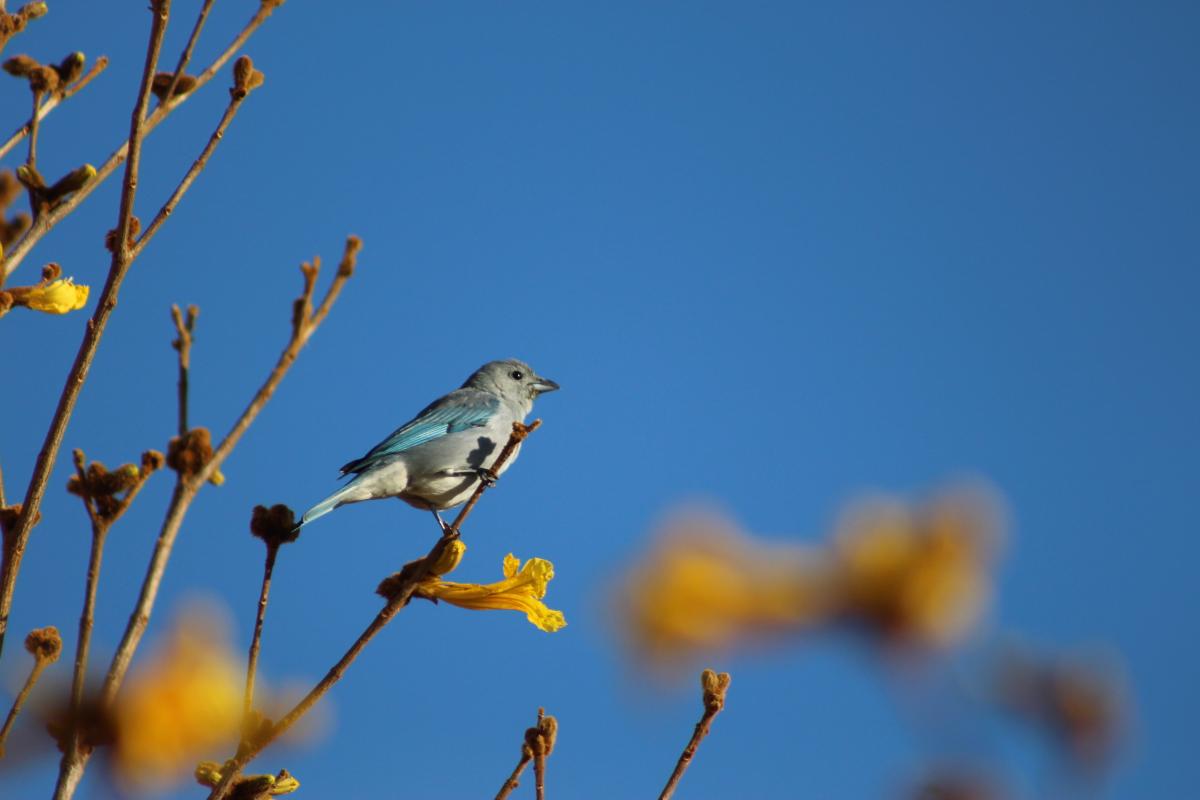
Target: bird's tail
x,y
347,494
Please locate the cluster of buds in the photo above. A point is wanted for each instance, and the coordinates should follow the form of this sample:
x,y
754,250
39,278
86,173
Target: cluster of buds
x,y
190,453
47,78
11,228
109,492
247,787
14,23
275,525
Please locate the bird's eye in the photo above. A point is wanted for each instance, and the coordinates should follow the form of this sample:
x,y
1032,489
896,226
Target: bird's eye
x,y
517,374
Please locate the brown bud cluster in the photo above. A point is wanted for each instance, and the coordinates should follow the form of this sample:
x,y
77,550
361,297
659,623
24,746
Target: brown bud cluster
x,y
188,454
540,738
10,514
96,483
42,78
162,83
714,685
245,78
12,24
110,238
44,644
275,525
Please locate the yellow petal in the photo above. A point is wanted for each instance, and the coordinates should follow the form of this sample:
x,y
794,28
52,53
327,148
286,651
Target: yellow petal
x,y
57,297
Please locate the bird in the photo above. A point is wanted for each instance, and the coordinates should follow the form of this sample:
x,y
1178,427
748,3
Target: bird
x,y
435,460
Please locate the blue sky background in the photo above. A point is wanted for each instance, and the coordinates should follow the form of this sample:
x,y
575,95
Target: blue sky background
x,y
776,254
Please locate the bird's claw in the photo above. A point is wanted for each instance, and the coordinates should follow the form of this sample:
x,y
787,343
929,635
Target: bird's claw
x,y
488,477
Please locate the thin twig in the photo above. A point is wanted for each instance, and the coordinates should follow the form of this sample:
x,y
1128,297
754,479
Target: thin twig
x,y
34,125
514,780
45,222
53,102
186,55
539,760
256,641
45,645
235,102
714,688
91,339
185,328
400,590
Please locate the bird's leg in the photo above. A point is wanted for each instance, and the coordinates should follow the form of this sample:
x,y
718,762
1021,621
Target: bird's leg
x,y
488,477
445,526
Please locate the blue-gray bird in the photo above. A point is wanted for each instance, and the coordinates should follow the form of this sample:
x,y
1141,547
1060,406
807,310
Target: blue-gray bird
x,y
434,461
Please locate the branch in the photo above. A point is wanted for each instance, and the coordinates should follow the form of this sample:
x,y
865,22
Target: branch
x,y
184,345
398,589
95,329
715,686
52,103
45,645
514,780
17,253
537,747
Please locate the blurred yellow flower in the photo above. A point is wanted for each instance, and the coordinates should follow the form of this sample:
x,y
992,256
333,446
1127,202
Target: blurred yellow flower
x,y
56,297
184,704
522,589
706,586
918,575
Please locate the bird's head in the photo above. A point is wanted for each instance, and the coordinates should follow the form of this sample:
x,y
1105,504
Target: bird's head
x,y
510,379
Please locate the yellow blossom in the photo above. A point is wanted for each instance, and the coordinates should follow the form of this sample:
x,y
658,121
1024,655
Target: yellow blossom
x,y
184,704
707,586
56,297
522,589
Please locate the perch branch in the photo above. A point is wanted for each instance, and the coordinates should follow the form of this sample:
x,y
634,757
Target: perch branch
x,y
398,589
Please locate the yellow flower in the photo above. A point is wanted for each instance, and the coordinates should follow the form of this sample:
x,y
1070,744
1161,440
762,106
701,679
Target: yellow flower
x,y
186,703
919,575
56,297
522,589
706,586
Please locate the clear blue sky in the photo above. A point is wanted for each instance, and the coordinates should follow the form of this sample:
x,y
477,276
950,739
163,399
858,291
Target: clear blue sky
x,y
776,254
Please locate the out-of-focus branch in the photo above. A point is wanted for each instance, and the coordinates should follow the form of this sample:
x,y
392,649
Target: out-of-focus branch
x,y
183,344
398,589
45,645
53,102
714,686
98,489
95,329
17,253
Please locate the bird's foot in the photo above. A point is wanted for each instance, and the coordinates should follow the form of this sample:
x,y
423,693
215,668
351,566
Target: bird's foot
x,y
488,477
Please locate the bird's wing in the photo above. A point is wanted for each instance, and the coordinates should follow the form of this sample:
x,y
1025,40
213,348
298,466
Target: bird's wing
x,y
457,411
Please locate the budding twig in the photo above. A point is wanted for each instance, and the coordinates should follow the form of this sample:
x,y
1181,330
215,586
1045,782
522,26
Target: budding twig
x,y
52,103
398,589
186,55
45,645
714,686
276,526
537,746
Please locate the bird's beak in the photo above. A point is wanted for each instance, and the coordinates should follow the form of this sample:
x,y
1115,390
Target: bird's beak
x,y
543,385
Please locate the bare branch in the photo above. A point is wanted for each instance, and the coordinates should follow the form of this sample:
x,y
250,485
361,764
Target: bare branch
x,y
183,344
